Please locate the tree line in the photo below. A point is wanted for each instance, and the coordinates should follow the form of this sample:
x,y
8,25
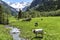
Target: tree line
x,y
3,15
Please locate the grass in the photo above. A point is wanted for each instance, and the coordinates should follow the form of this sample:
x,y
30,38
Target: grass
x,y
4,33
51,26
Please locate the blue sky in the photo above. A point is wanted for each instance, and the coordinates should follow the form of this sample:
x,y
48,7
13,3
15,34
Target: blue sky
x,y
13,1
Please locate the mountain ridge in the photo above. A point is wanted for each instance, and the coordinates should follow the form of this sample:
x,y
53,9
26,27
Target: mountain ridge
x,y
13,11
20,5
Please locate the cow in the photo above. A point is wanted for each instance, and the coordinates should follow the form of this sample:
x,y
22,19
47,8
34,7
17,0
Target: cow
x,y
38,31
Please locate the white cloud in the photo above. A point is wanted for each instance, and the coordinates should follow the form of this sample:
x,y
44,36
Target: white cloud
x,y
8,2
3,0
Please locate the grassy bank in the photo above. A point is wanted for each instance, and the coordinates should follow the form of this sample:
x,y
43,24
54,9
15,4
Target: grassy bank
x,y
4,33
51,26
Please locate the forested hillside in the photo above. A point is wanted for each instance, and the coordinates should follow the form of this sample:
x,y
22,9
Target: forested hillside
x,y
45,5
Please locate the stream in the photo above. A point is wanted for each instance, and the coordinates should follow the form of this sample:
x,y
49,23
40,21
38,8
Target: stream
x,y
15,32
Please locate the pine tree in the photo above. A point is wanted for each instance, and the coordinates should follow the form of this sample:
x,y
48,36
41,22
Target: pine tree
x,y
19,14
3,16
1,11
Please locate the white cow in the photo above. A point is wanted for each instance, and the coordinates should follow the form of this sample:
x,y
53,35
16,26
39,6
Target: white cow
x,y
38,31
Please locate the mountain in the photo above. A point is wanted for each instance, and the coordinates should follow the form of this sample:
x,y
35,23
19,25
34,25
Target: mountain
x,y
13,10
38,2
20,5
35,3
44,5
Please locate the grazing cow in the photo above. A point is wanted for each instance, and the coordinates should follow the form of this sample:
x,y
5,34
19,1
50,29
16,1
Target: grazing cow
x,y
38,31
36,24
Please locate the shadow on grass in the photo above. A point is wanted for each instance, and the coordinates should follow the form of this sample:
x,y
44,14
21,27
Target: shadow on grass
x,y
37,38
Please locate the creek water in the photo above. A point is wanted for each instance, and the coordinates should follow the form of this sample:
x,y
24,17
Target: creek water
x,y
15,32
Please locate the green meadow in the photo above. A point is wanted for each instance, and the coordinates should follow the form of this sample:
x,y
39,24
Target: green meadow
x,y
4,33
50,25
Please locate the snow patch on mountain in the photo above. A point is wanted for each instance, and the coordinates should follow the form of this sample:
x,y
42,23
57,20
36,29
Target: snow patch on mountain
x,y
19,5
